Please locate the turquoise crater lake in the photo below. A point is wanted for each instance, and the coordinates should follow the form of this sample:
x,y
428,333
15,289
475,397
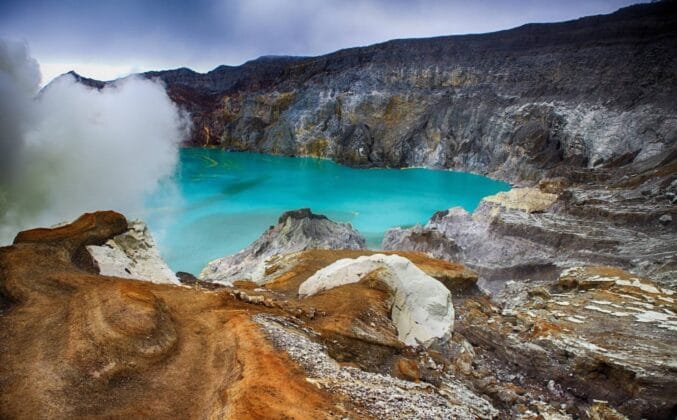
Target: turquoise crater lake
x,y
218,202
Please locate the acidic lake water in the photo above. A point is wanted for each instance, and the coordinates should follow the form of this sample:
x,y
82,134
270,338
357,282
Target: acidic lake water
x,y
219,202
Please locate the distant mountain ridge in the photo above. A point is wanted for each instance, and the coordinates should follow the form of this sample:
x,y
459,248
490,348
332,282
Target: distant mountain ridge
x,y
517,104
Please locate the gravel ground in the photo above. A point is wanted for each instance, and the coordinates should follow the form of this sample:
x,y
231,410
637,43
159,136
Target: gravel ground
x,y
379,395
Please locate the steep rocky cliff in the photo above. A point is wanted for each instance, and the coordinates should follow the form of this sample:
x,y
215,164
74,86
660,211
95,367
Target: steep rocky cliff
x,y
516,104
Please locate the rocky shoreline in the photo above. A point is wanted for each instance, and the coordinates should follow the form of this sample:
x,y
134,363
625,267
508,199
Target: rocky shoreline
x,y
625,221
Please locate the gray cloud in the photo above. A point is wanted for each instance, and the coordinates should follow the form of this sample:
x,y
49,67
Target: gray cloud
x,y
205,33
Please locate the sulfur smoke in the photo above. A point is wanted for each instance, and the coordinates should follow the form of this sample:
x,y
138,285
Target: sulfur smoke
x,y
70,148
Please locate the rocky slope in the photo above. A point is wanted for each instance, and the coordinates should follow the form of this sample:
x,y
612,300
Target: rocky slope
x,y
75,343
516,104
296,230
621,217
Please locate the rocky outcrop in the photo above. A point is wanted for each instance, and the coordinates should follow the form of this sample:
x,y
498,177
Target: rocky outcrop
x,y
422,310
613,218
295,231
75,343
517,104
134,255
529,200
599,333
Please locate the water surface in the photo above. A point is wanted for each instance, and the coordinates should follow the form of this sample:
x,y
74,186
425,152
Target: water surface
x,y
219,202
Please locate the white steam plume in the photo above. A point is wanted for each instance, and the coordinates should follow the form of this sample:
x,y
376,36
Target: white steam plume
x,y
73,148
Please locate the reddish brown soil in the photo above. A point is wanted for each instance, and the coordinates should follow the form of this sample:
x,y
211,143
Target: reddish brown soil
x,y
74,343
77,344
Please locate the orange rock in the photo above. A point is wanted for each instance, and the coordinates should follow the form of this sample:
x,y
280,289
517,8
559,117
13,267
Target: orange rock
x,y
77,344
407,369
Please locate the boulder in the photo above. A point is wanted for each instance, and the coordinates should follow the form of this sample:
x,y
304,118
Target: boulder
x,y
295,231
422,310
530,200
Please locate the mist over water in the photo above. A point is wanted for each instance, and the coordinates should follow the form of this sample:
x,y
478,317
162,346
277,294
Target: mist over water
x,y
70,149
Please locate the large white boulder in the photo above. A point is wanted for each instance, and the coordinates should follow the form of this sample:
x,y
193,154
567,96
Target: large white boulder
x,y
422,309
134,255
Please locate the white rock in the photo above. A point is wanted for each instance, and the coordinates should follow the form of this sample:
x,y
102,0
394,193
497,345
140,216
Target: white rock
x,y
133,255
422,310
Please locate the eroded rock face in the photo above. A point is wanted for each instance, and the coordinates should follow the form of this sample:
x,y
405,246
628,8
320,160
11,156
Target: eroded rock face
x,y
517,104
599,332
295,231
422,310
77,344
134,255
607,216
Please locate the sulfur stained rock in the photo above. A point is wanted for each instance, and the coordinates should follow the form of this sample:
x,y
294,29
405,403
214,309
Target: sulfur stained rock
x,y
76,344
600,410
407,369
529,200
553,185
79,344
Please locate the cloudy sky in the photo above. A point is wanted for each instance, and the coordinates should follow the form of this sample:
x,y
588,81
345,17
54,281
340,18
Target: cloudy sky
x,y
106,39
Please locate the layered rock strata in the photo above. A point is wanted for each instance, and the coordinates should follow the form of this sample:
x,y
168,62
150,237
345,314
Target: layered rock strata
x,y
517,104
599,332
614,216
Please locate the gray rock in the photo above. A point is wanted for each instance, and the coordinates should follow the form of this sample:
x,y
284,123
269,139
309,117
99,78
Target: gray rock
x,y
132,255
382,395
295,231
422,239
665,219
596,319
505,240
516,104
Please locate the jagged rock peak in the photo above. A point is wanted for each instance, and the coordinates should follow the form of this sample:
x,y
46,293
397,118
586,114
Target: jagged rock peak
x,y
296,230
300,214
